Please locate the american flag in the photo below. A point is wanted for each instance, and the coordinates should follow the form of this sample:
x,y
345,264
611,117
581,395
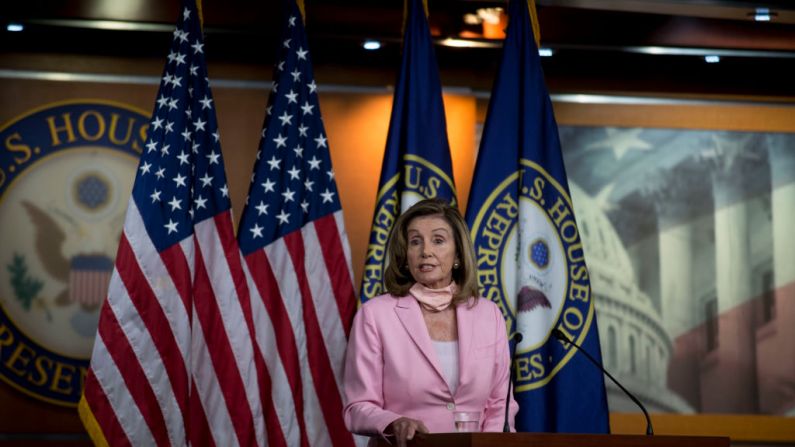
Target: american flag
x,y
174,359
293,239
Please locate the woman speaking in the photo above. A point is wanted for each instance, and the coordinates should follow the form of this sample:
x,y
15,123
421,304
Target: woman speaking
x,y
429,356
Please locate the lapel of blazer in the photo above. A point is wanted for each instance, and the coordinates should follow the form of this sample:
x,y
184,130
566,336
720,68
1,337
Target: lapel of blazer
x,y
466,333
410,315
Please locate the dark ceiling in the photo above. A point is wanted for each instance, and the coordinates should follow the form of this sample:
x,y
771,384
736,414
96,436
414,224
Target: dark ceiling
x,y
620,46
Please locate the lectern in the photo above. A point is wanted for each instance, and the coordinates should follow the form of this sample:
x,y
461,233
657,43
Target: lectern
x,y
559,440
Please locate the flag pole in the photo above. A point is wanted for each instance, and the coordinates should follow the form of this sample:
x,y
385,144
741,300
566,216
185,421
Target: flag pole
x,y
531,6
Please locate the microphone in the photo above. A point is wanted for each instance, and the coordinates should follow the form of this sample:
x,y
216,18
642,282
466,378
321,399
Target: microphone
x,y
562,337
516,338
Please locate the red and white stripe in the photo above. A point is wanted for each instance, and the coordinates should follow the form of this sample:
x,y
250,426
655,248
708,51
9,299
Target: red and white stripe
x,y
222,324
303,301
172,359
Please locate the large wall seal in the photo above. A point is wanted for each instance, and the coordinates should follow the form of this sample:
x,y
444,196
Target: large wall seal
x,y
66,171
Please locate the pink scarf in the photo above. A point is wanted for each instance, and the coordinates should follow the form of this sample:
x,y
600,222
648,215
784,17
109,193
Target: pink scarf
x,y
434,300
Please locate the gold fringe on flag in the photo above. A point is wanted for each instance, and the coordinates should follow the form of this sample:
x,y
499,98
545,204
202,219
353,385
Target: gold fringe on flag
x,y
406,11
531,6
300,4
200,13
90,423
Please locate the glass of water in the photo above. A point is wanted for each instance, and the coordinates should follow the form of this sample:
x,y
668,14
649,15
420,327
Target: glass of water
x,y
467,421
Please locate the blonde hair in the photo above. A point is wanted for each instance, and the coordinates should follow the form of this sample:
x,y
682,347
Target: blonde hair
x,y
398,279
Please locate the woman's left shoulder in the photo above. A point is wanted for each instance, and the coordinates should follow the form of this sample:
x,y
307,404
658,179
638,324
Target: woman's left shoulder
x,y
488,316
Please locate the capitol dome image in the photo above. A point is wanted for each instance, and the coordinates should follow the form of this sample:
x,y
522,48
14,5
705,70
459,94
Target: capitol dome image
x,y
635,347
687,237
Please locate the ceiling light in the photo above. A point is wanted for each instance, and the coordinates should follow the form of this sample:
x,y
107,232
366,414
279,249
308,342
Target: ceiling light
x,y
371,45
491,15
545,52
469,43
763,14
472,19
494,22
653,50
712,58
15,27
456,43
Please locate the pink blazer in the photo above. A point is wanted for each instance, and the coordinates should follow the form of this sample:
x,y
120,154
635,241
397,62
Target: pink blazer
x,y
391,368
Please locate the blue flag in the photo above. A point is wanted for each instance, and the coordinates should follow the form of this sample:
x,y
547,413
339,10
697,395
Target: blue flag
x,y
529,251
416,163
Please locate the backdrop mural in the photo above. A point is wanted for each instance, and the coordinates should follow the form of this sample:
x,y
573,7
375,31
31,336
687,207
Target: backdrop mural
x,y
687,237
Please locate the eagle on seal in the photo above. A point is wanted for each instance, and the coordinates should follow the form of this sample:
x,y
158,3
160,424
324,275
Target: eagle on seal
x,y
87,274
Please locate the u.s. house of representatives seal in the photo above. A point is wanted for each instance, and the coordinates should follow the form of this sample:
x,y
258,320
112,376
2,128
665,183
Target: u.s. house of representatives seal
x,y
531,263
419,179
66,172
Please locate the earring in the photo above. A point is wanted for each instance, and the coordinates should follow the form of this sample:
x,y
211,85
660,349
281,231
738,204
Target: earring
x,y
455,265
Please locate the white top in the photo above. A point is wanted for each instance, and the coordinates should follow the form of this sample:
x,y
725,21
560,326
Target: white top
x,y
447,352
